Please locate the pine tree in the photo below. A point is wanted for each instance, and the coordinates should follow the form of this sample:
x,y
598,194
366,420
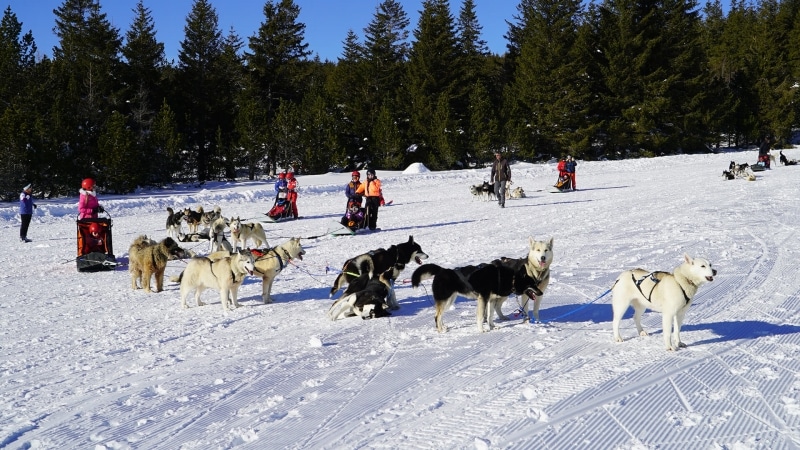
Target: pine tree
x,y
275,61
17,154
86,64
434,72
197,83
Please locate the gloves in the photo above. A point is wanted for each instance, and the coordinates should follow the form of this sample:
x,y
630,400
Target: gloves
x,y
101,209
34,206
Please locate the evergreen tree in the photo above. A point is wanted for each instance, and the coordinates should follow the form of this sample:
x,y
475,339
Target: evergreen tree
x,y
143,89
119,155
377,81
275,62
86,65
167,145
17,154
197,83
549,94
435,70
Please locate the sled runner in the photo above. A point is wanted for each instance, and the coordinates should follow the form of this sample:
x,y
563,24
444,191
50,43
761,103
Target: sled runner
x,y
95,247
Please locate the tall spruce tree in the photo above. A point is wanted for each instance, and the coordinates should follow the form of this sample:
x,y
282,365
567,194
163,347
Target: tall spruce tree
x,y
276,65
549,93
385,53
18,151
86,67
197,83
474,105
143,89
435,69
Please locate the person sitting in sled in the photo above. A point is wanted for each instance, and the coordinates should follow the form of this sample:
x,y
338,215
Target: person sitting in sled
x,y
88,205
354,216
291,192
282,207
95,242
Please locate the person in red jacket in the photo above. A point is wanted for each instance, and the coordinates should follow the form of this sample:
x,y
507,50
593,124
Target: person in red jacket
x,y
291,193
371,189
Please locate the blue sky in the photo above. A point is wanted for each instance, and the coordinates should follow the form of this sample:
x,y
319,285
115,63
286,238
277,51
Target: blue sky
x,y
327,21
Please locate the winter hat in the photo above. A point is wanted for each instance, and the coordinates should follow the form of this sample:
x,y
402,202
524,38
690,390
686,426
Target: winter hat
x,y
28,187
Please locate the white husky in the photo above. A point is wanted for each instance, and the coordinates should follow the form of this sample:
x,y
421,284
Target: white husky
x,y
224,274
245,231
668,293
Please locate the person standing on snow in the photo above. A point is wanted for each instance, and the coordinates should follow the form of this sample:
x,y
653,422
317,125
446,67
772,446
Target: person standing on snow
x,y
88,205
372,191
26,207
569,167
501,175
291,192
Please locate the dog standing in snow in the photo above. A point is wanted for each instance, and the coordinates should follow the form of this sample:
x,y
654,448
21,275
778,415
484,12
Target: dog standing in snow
x,y
668,293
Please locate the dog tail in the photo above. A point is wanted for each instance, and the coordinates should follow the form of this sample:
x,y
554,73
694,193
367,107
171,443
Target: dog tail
x,y
423,273
365,264
177,279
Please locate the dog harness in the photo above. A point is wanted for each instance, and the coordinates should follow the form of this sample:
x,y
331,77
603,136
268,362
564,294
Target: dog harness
x,y
654,277
281,264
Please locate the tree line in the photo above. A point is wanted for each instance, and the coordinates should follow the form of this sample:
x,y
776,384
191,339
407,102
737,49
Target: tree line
x,y
609,79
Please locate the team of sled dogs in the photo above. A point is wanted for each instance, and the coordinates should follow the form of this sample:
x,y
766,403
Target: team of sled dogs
x,y
485,191
368,279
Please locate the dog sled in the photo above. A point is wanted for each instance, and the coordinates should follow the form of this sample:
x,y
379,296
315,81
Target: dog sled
x,y
282,209
563,184
95,246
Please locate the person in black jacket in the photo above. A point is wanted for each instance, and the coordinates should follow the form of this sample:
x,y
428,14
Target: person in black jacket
x,y
501,175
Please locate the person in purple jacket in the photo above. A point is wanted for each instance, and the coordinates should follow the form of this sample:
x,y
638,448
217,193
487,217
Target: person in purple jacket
x,y
26,207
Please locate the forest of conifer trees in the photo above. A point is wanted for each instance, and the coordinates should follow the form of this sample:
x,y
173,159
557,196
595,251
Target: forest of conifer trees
x,y
608,79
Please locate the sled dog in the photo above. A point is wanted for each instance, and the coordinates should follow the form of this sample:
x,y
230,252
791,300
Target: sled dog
x,y
174,221
379,261
489,284
246,231
147,258
369,301
517,192
270,262
668,293
786,161
193,218
209,217
216,234
537,264
224,274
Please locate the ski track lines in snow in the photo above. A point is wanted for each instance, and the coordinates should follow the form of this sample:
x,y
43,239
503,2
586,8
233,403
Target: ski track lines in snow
x,y
150,375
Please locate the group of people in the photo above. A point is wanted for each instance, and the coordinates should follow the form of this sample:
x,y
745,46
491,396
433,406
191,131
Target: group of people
x,y
566,173
88,206
285,197
371,193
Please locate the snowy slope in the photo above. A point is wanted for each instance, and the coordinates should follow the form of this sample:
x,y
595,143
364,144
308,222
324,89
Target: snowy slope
x,y
86,362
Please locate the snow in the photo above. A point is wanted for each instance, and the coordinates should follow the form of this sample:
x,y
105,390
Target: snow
x,y
86,362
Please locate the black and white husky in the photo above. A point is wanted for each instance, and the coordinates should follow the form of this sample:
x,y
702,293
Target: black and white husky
x,y
365,297
489,284
379,261
174,221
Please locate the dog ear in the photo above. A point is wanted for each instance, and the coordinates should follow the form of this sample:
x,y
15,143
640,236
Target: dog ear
x,y
687,258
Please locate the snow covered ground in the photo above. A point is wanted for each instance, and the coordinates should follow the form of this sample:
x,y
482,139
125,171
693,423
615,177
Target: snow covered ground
x,y
87,363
